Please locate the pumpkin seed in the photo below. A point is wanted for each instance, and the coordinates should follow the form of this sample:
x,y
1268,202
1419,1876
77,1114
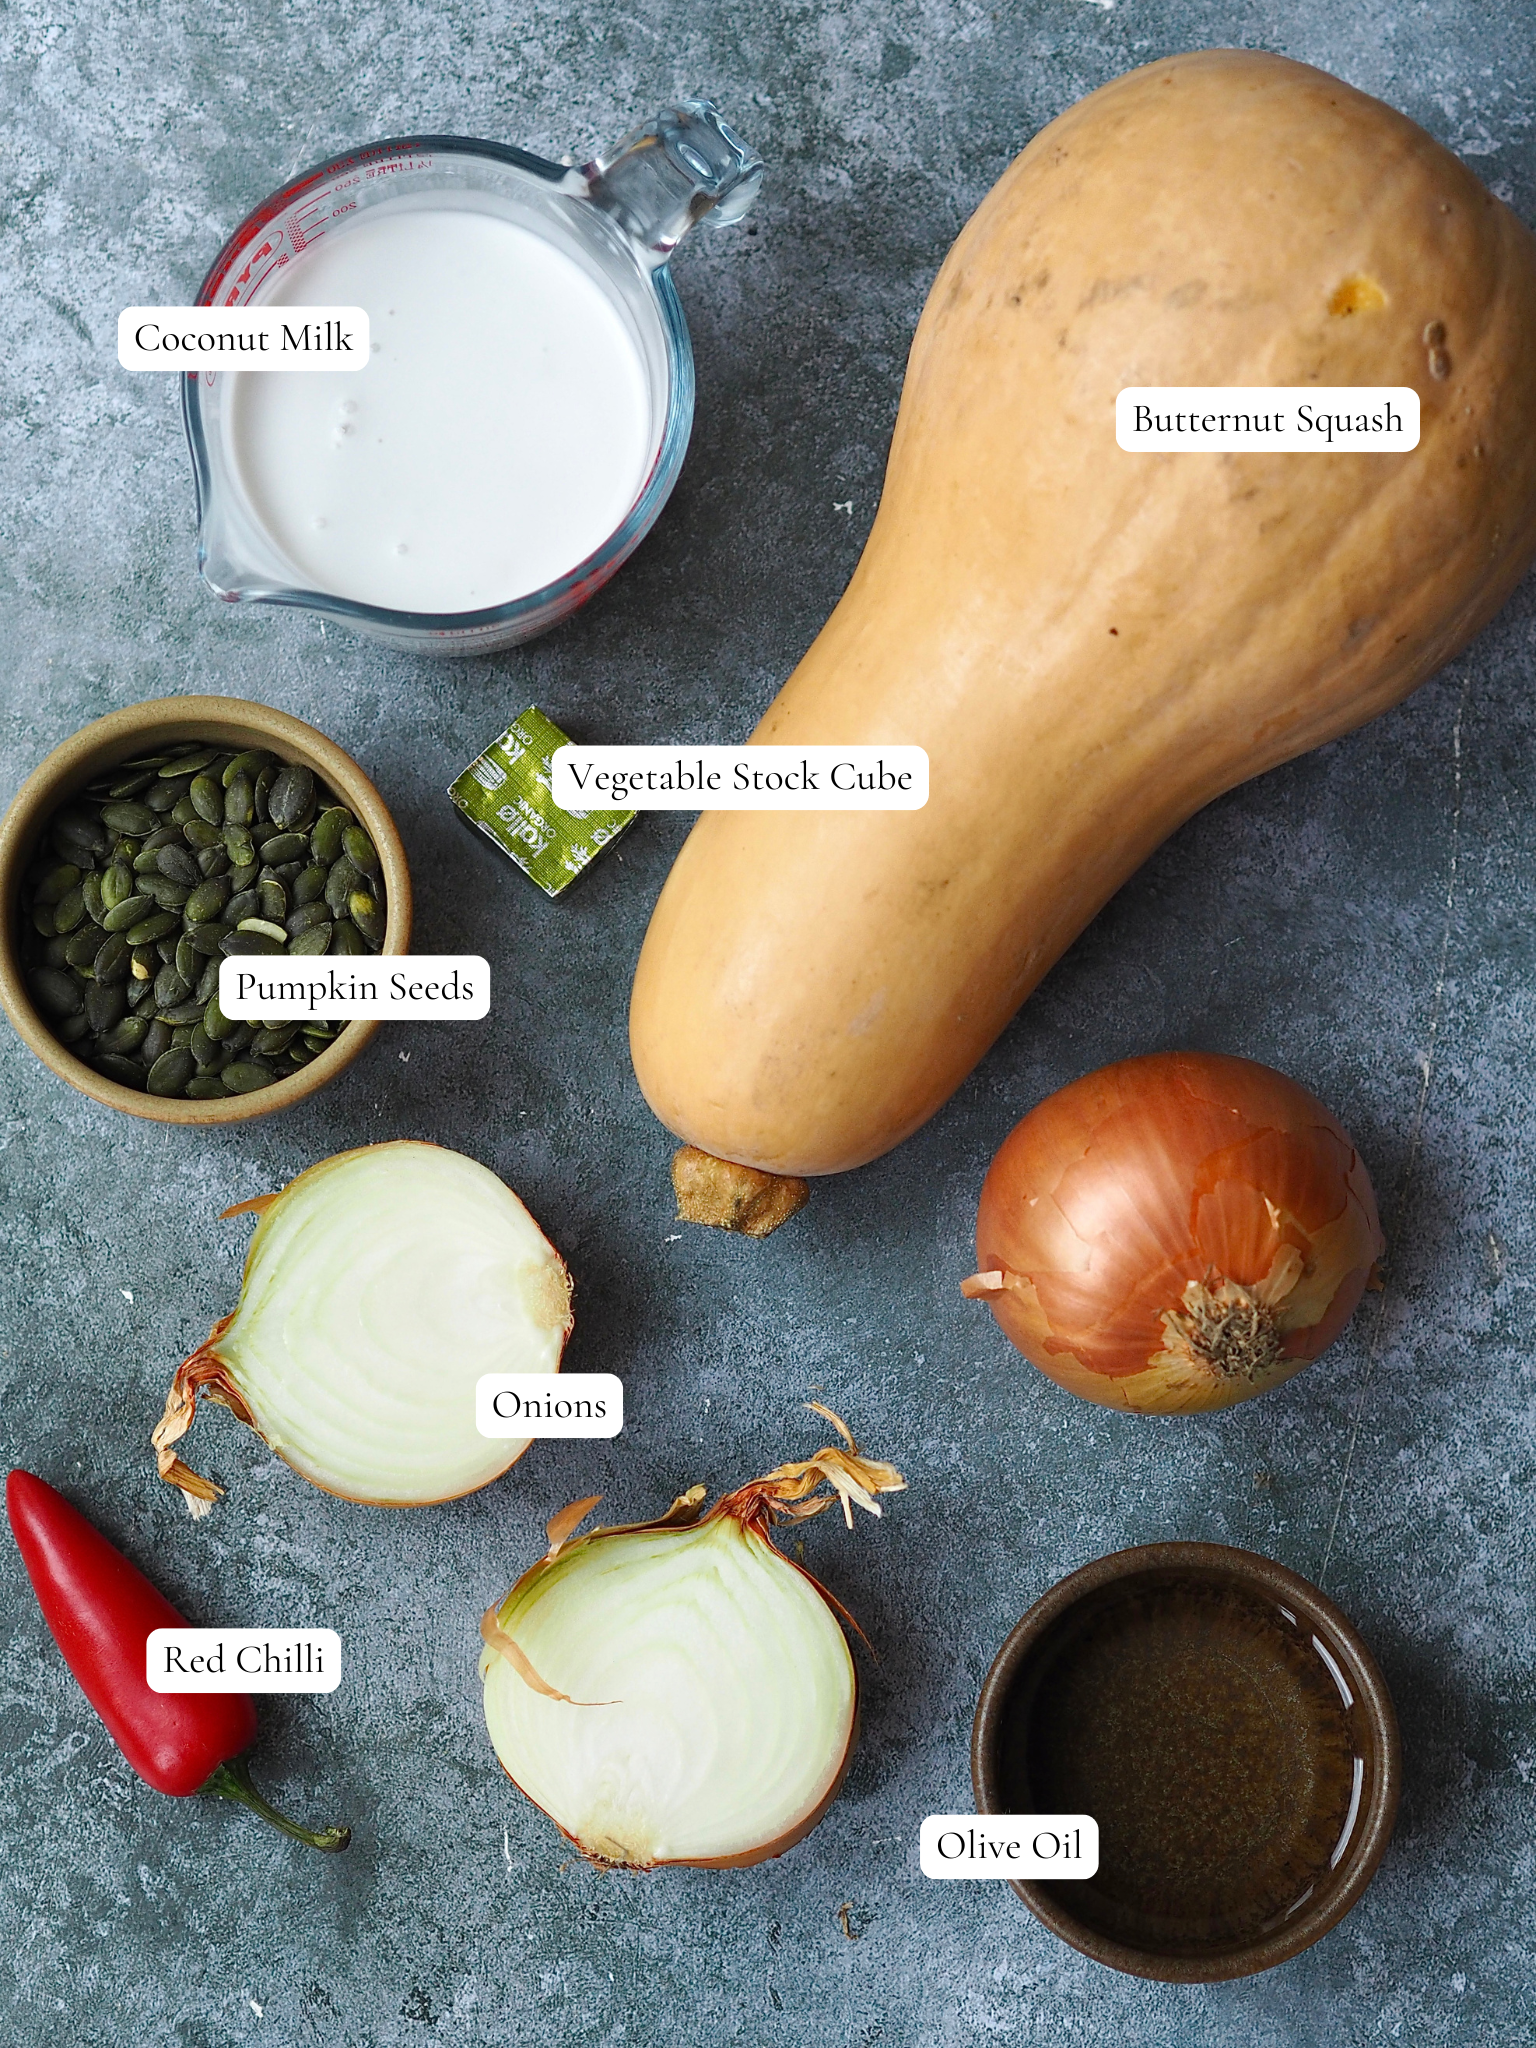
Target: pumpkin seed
x,y
238,1039
208,980
243,941
241,1077
54,991
81,949
90,890
127,1073
215,1023
204,938
200,833
179,866
182,1016
167,894
42,921
126,1036
239,845
326,837
367,916
242,874
314,939
171,1072
308,885
68,911
57,884
248,764
239,800
146,962
207,900
306,917
272,898
285,846
243,903
205,1088
346,938
150,928
213,860
157,1040
274,1038
164,796
291,796
263,789
360,849
204,1050
265,927
340,883
116,886
190,762
183,811
170,987
105,1004
126,913
54,951
207,798
134,819
130,785
113,955
70,1030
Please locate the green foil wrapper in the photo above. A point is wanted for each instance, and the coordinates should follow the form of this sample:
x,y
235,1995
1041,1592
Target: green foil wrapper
x,y
505,795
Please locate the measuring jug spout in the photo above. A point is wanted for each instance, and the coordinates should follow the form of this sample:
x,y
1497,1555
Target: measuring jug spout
x,y
682,167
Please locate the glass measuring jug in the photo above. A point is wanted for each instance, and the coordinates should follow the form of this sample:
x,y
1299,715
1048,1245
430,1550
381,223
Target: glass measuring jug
x,y
616,220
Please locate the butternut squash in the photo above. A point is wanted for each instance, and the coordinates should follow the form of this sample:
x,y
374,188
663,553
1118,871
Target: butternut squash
x,y
1092,644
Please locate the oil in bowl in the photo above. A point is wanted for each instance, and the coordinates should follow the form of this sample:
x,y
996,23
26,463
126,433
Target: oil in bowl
x,y
1230,1734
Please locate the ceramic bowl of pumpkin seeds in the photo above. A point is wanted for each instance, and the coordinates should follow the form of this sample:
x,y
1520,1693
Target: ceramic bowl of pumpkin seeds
x,y
157,843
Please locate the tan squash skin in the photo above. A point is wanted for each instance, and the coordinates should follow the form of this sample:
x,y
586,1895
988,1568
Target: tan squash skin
x,y
1093,644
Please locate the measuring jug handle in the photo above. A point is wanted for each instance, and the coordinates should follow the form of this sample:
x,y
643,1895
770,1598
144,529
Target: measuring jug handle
x,y
684,166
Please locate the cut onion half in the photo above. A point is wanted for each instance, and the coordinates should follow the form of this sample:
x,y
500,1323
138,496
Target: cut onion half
x,y
378,1288
678,1691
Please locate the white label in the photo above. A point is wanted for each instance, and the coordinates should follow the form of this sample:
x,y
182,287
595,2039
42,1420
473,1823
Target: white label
x,y
228,338
243,1660
739,779
411,988
1014,1845
1287,419
549,1404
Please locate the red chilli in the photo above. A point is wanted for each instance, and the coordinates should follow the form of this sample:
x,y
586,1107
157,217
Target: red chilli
x,y
102,1611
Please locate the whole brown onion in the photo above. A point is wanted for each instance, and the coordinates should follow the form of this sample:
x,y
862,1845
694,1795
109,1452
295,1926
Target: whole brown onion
x,y
1175,1232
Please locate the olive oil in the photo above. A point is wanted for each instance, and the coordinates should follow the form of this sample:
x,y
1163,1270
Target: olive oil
x,y
1212,1734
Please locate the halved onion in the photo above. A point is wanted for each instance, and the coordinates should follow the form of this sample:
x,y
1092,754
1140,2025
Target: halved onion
x,y
678,1691
378,1288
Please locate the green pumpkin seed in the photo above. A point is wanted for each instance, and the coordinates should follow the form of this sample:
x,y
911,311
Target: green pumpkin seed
x,y
326,837
308,885
205,1088
181,1035
199,833
70,1030
213,860
207,797
274,1038
239,801
183,811
126,913
346,938
179,866
215,1023
262,793
130,785
162,890
204,1050
165,796
204,938
54,952
81,948
105,1004
306,917
150,928
292,795
340,883
272,899
146,861
285,846
134,819
207,900
116,886
56,884
242,903
248,764
90,890
265,927
360,849
171,1072
141,995
208,980
239,845
243,874
126,1036
75,836
190,762
182,1016
42,921
314,939
113,955
157,1039
243,941
125,1072
242,1077
238,1039
68,911
368,916
54,991
170,987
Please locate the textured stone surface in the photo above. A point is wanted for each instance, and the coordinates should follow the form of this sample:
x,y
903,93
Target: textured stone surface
x,y
1358,919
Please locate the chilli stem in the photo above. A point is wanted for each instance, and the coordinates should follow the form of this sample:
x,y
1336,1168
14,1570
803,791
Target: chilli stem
x,y
232,1780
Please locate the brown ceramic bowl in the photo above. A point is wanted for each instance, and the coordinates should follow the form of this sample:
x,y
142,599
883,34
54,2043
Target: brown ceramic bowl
x,y
141,729
1232,1736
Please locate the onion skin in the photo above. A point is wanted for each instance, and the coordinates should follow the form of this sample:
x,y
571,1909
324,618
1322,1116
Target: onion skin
x,y
1175,1233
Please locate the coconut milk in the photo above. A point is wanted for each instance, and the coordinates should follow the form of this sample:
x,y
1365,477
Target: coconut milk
x,y
501,431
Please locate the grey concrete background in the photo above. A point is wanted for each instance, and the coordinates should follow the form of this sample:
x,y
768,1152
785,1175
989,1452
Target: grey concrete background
x,y
1358,919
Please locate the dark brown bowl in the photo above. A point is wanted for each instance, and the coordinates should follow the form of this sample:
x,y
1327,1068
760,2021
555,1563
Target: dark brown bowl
x,y
139,729
1231,1734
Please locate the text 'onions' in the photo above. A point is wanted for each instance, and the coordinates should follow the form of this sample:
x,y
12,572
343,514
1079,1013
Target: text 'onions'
x,y
378,1288
1175,1232
678,1691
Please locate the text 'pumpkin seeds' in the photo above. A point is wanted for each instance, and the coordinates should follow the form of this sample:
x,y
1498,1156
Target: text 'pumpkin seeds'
x,y
378,1288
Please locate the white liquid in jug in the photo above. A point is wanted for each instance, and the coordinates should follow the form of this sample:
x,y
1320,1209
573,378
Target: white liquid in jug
x,y
500,433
